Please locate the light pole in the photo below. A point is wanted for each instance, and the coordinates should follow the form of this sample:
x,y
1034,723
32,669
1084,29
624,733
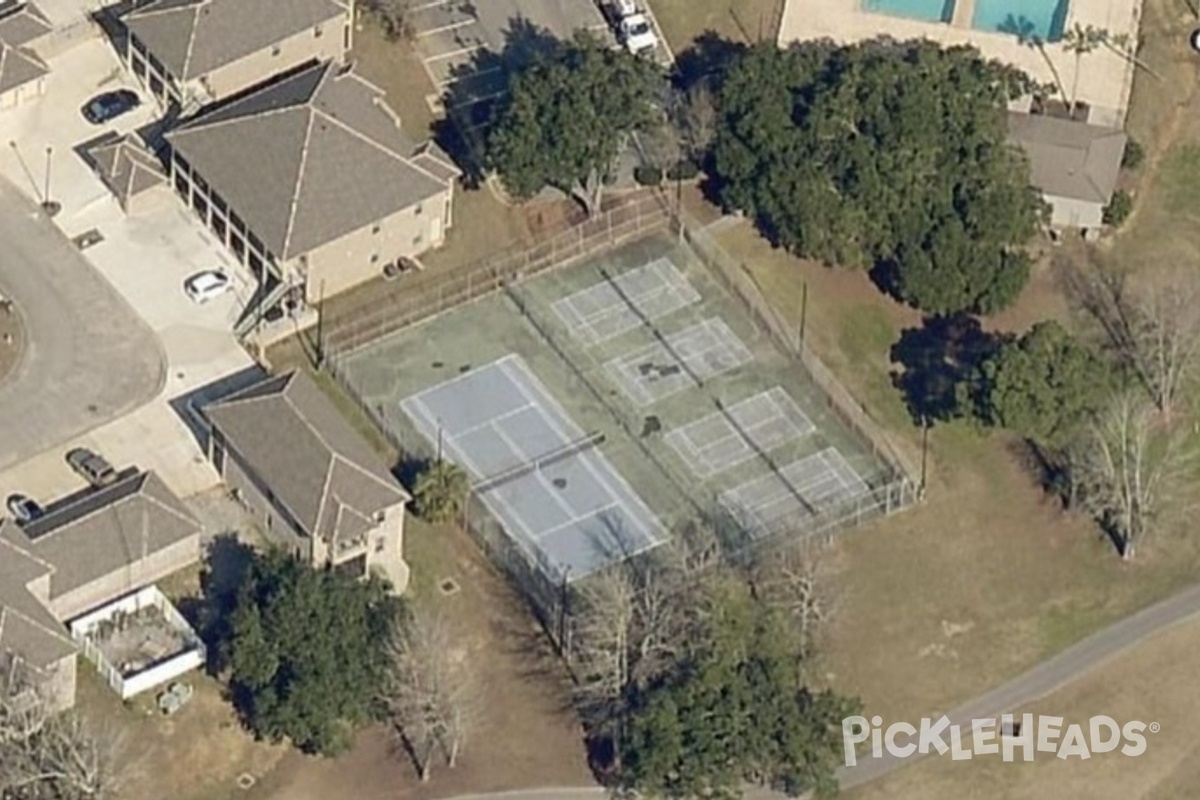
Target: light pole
x,y
49,206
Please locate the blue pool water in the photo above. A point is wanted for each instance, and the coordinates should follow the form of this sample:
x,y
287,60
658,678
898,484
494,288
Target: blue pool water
x,y
927,10
1042,19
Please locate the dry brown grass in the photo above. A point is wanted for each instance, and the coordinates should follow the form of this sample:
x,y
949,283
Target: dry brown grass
x,y
740,20
989,576
195,754
1151,684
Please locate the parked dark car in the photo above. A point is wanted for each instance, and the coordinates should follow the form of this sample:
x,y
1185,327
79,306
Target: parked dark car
x,y
110,105
93,468
23,509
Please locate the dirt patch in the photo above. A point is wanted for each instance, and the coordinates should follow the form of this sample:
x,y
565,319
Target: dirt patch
x,y
198,752
526,735
395,67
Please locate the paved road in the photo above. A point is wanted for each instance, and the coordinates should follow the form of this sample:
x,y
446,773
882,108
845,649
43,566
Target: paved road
x,y
1016,695
88,358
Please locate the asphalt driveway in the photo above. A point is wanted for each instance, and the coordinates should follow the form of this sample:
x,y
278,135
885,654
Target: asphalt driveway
x,y
88,357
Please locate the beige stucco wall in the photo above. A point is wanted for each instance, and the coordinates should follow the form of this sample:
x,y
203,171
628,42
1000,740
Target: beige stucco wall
x,y
22,94
274,526
286,54
1069,213
127,579
360,256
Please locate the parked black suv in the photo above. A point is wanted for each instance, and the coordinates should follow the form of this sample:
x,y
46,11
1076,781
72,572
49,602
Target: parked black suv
x,y
93,468
110,105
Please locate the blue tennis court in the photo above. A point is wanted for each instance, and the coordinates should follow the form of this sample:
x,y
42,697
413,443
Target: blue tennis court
x,y
538,473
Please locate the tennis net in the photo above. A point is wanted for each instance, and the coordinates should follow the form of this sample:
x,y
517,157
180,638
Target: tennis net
x,y
546,459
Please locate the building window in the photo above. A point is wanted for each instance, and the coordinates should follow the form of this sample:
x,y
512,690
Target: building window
x,y
346,37
375,229
417,211
237,223
182,186
218,202
201,184
200,205
218,226
181,164
417,240
275,50
256,263
317,32
379,545
374,258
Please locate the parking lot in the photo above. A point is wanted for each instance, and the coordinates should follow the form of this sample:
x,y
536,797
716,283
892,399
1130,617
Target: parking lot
x,y
145,257
458,40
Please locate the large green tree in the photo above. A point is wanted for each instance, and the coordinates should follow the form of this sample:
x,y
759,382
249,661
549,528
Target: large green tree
x,y
567,115
884,155
1043,385
737,709
308,651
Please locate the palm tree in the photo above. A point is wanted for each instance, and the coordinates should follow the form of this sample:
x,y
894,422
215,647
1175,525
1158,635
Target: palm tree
x,y
440,492
1081,40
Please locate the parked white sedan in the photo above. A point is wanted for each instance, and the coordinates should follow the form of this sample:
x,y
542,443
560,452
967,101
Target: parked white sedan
x,y
204,286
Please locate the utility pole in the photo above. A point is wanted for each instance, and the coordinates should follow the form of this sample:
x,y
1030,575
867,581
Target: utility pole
x,y
803,310
49,206
924,450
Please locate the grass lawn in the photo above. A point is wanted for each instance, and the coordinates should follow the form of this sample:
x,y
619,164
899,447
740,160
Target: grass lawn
x,y
526,734
1144,685
740,20
988,576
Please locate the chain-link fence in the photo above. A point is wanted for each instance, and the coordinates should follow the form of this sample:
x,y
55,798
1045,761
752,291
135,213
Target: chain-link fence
x,y
473,281
648,216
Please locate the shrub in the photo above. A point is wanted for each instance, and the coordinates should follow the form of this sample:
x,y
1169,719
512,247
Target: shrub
x,y
1118,208
1134,155
648,176
684,170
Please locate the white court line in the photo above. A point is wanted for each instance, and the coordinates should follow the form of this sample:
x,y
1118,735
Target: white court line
x,y
541,479
587,462
460,52
576,519
462,376
432,4
462,23
493,420
448,442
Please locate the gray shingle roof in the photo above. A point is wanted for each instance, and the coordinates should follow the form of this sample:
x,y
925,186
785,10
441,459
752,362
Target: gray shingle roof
x,y
27,628
20,24
194,37
308,158
82,540
292,438
127,167
1069,159
104,530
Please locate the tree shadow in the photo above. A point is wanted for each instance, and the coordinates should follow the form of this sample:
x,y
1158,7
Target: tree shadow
x,y
937,365
478,89
705,61
226,564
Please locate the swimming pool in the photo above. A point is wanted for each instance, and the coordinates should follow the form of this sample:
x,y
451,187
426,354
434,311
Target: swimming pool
x,y
1041,19
927,10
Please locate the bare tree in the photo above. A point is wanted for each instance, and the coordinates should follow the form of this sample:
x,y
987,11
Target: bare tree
x,y
46,753
660,147
394,16
796,579
1153,325
1162,325
694,115
633,622
432,694
1128,470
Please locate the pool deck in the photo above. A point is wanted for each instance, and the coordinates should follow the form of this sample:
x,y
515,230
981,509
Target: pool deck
x,y
1104,81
